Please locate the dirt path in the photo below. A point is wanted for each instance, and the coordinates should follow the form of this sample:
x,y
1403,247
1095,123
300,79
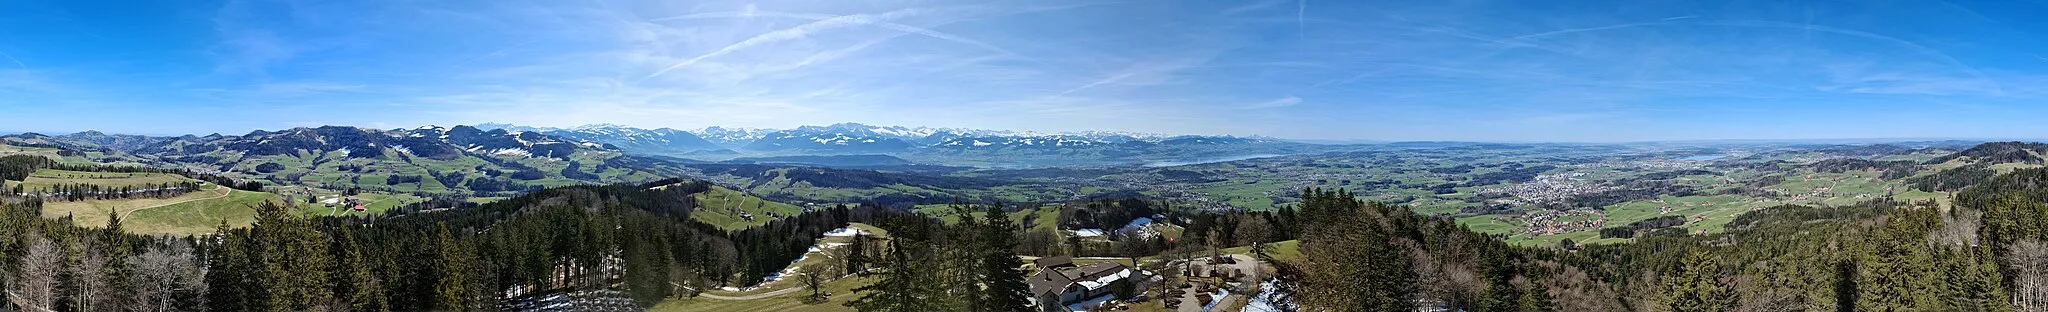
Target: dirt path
x,y
230,191
759,296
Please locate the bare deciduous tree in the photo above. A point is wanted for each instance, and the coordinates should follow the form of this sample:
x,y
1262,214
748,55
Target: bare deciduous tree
x,y
2029,262
1253,229
165,274
35,281
814,278
836,260
1958,228
88,284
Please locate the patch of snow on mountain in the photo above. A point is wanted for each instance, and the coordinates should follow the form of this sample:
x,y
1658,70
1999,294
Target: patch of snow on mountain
x,y
512,152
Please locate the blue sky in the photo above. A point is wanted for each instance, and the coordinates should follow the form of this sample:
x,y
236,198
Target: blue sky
x,y
1391,70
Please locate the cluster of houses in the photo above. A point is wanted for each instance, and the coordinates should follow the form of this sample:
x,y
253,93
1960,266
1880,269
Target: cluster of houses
x,y
1058,282
350,203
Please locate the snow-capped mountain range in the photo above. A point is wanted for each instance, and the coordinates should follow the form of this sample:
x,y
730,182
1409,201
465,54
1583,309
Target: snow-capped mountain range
x,y
850,138
649,141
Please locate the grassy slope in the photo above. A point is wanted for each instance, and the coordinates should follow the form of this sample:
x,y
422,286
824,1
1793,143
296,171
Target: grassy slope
x,y
200,216
194,213
191,213
722,207
842,291
44,178
94,212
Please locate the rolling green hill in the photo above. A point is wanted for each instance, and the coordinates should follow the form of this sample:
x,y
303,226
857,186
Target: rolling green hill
x,y
731,210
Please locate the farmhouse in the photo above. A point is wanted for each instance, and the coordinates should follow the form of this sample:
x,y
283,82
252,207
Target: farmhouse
x,y
1058,279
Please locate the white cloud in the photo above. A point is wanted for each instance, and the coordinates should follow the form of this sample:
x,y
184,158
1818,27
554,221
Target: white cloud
x,y
1276,103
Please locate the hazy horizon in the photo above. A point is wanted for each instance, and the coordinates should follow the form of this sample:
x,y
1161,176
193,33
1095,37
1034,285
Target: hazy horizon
x,y
1842,140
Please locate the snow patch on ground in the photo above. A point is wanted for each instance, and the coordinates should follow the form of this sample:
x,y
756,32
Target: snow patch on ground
x,y
1266,293
847,232
1089,233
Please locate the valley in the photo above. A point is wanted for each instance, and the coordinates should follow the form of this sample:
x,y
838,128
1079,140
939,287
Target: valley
x,y
1145,203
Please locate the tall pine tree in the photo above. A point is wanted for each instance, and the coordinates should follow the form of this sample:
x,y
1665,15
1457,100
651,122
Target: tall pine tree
x,y
1005,289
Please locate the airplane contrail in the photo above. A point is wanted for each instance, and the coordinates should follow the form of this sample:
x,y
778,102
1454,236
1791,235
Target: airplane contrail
x,y
1111,79
1573,30
16,61
1917,48
884,23
495,53
792,33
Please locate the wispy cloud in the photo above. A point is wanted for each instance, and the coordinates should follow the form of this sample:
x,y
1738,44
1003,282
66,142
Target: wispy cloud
x,y
1049,65
1255,6
1301,19
1276,103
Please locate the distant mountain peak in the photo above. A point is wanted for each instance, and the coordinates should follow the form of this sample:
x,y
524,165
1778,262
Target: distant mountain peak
x,y
855,137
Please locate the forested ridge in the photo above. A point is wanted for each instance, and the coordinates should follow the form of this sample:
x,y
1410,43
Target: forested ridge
x,y
1982,252
629,240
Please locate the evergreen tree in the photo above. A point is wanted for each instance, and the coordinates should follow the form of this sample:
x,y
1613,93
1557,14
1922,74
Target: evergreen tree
x,y
230,284
1694,285
117,271
1005,288
1536,299
355,284
856,261
450,281
289,246
899,285
1350,262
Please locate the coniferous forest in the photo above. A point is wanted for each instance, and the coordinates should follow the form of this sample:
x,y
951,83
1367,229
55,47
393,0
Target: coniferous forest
x,y
636,244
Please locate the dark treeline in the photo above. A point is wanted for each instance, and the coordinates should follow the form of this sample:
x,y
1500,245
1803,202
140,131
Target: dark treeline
x,y
1106,214
1633,191
1360,256
1630,230
928,265
19,167
1892,169
627,241
1508,175
1984,253
52,265
1953,179
1998,152
80,191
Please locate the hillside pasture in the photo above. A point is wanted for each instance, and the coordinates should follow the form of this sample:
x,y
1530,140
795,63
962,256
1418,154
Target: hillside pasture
x,y
44,179
723,207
